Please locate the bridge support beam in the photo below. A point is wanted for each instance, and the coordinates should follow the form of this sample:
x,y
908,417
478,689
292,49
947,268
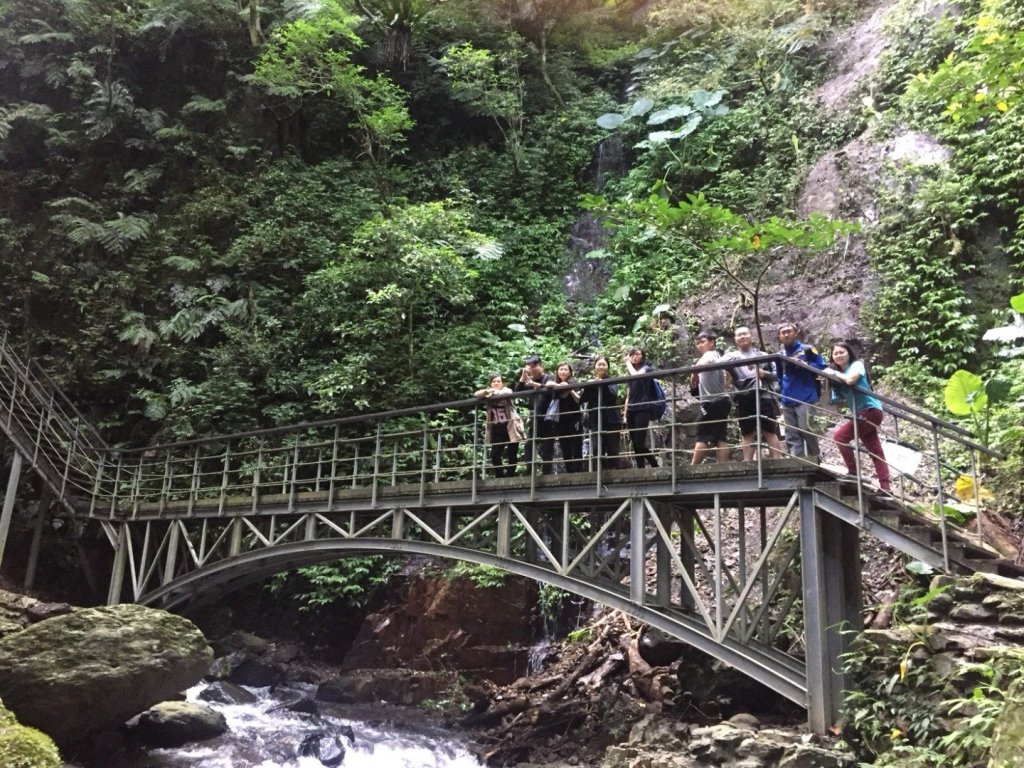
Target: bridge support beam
x,y
830,554
8,509
637,551
120,562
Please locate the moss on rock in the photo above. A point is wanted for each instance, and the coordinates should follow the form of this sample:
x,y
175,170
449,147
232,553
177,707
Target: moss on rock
x,y
24,747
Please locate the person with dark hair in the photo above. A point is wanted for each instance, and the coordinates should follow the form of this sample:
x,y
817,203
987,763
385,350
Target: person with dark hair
x,y
639,399
715,404
849,377
799,389
533,377
569,426
752,395
504,429
603,417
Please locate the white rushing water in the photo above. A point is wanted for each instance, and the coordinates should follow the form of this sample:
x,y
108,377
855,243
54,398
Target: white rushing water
x,y
264,735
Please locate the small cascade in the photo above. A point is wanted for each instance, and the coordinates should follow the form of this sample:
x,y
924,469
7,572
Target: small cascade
x,y
266,734
587,277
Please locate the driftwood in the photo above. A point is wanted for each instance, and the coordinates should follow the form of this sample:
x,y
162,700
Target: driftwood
x,y
590,661
631,646
494,715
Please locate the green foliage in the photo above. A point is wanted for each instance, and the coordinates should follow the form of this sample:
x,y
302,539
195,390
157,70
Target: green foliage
x,y
923,312
490,84
549,598
351,582
712,238
313,56
482,576
905,710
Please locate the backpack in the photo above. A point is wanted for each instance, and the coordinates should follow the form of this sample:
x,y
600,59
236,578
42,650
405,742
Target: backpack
x,y
658,404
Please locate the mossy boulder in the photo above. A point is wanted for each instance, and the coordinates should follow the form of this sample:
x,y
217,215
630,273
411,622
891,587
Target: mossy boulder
x,y
173,723
24,747
72,676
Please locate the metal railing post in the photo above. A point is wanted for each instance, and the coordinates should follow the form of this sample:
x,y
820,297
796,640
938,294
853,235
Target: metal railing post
x,y
423,458
856,457
939,496
334,470
376,465
224,478
758,432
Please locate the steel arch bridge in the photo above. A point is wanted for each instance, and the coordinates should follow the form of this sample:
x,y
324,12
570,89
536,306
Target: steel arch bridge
x,y
756,563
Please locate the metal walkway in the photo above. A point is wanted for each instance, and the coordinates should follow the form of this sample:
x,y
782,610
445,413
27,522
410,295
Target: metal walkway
x,y
755,563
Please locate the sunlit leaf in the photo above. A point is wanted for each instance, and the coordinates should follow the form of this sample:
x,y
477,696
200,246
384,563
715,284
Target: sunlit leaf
x,y
639,107
610,120
965,393
669,113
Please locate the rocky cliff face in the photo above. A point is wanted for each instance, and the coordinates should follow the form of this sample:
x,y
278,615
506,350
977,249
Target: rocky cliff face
x,y
451,624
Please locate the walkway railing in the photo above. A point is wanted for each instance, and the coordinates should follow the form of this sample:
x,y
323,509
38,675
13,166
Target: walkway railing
x,y
419,449
46,428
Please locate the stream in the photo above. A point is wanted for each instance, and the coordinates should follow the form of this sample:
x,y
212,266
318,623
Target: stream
x,y
266,735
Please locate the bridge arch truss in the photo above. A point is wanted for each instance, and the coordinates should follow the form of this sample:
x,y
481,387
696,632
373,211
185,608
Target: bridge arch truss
x,y
722,571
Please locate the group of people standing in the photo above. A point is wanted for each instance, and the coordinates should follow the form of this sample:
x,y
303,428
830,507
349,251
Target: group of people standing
x,y
557,411
556,414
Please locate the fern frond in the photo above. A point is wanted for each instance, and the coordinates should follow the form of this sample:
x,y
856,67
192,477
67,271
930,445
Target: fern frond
x,y
35,38
140,180
201,104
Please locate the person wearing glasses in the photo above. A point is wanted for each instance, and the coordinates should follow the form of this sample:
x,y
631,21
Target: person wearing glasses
x,y
799,390
751,383
569,426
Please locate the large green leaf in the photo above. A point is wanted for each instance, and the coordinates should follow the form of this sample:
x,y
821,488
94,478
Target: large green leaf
x,y
610,120
669,113
1017,303
965,393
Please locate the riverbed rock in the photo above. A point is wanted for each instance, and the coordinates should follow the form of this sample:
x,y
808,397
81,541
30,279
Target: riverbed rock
x,y
451,623
224,692
173,723
93,669
24,747
325,747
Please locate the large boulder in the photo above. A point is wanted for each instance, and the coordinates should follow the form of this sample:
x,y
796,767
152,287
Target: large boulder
x,y
23,747
75,675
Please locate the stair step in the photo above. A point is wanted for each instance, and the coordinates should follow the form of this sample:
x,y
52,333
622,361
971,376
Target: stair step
x,y
922,533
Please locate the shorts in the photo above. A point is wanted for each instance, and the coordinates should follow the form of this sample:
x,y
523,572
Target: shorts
x,y
714,424
746,413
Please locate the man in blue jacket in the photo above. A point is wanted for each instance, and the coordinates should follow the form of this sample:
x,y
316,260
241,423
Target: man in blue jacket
x,y
800,390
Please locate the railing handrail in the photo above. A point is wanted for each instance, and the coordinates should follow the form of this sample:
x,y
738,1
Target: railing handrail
x,y
964,435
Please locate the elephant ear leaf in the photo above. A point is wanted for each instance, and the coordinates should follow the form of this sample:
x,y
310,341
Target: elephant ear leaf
x,y
1017,303
965,393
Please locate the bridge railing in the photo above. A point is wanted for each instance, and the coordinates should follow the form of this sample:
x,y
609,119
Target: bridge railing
x,y
419,448
46,427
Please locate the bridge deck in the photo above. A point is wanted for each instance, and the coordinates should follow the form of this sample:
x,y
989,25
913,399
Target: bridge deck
x,y
692,485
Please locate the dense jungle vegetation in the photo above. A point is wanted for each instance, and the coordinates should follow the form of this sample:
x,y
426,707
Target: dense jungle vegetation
x,y
223,215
